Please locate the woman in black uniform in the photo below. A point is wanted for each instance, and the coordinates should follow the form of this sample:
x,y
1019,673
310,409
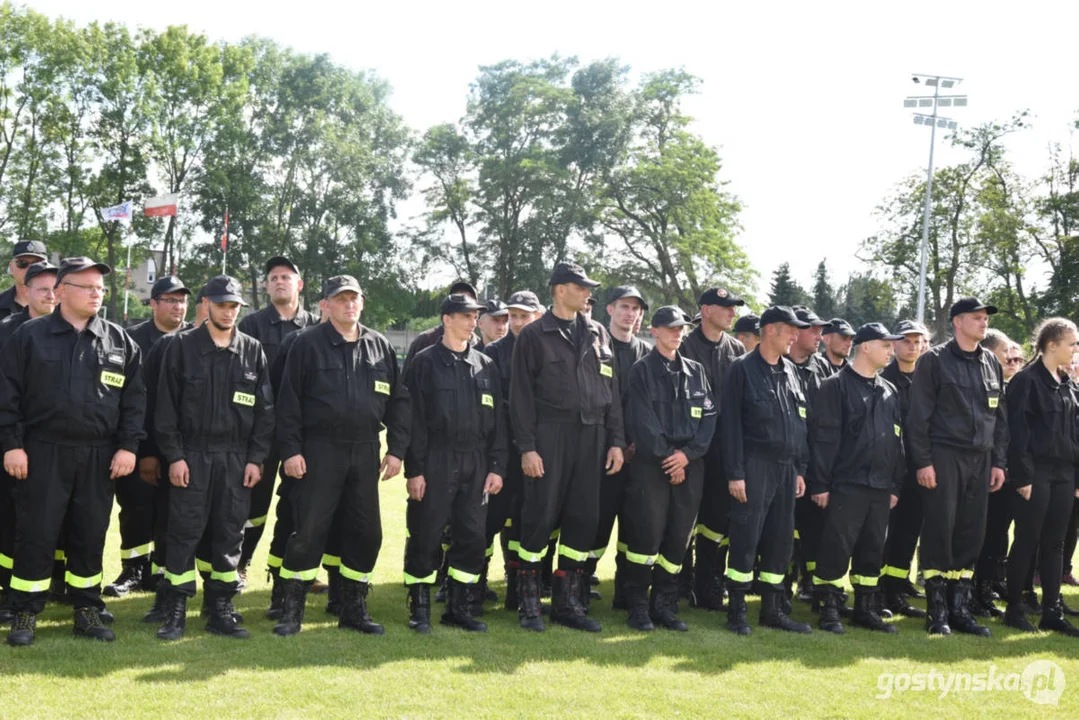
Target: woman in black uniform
x,y
1042,464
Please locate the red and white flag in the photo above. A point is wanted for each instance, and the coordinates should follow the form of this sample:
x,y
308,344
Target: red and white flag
x,y
161,206
225,235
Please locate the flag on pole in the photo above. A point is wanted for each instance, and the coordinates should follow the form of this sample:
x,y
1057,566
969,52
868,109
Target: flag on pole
x,y
118,213
225,235
162,205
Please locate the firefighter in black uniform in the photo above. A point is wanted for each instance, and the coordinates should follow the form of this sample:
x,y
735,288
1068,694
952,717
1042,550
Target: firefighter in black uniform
x,y
1043,456
71,414
456,459
671,417
958,440
858,470
493,323
712,345
427,338
504,509
747,330
41,301
566,416
213,422
24,254
341,385
626,306
905,519
762,433
270,325
135,493
837,338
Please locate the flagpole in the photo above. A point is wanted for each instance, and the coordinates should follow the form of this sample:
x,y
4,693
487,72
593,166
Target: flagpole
x,y
225,241
127,282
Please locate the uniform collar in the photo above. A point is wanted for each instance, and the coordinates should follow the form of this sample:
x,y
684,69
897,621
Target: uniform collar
x,y
337,338
448,357
658,364
206,344
1044,376
848,369
276,319
95,325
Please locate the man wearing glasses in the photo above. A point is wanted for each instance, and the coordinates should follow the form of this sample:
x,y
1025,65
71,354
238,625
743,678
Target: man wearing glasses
x,y
71,417
23,255
135,493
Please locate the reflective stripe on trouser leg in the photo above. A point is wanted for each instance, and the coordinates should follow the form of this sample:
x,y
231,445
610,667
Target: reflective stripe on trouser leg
x,y
764,523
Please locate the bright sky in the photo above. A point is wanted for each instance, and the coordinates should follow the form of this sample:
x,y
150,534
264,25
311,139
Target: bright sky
x,y
804,100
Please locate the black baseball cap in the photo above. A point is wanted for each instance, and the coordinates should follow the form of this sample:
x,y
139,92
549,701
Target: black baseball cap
x,y
224,289
591,301
626,291
719,296
459,303
670,316
495,308
840,326
339,284
79,264
565,273
281,261
464,287
39,268
748,324
525,300
29,247
874,331
697,318
782,314
909,327
807,316
168,284
970,304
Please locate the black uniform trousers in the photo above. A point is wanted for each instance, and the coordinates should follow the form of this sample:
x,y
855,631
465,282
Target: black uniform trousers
x,y
453,496
855,526
809,521
953,525
713,519
137,515
659,517
566,497
67,490
284,523
203,552
504,509
1070,540
1000,506
1041,524
763,525
216,502
342,478
7,527
261,499
612,503
904,526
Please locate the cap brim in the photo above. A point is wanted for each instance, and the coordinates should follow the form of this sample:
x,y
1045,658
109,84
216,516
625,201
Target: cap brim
x,y
346,288
30,254
817,323
526,308
217,299
184,290
497,313
800,324
281,261
585,282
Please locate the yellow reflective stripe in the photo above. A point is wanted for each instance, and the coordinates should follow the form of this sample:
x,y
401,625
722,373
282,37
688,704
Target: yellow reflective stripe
x,y
136,552
739,576
597,553
667,565
931,573
514,546
893,571
864,580
182,579
622,548
797,535
463,577
305,575
952,574
156,569
509,522
331,560
528,556
29,586
6,561
709,534
59,555
725,542
639,559
255,522
272,561
490,551
228,577
771,578
203,567
445,547
555,533
811,565
965,575
78,581
817,580
572,554
413,580
355,575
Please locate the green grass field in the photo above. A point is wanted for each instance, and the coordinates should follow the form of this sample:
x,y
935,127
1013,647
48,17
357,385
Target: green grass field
x,y
326,672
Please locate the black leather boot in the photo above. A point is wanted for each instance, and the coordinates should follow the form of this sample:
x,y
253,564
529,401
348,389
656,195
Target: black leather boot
x,y
458,612
292,608
772,614
936,602
566,607
636,597
88,625
737,613
354,615
707,590
865,612
419,608
664,607
528,595
960,618
222,617
174,611
829,612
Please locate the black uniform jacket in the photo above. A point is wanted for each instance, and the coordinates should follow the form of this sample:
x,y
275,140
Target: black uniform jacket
x,y
214,399
342,392
957,400
146,335
455,403
668,411
555,381
1042,426
69,388
859,434
270,329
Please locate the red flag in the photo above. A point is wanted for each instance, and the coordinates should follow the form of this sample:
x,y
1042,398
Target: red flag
x,y
225,235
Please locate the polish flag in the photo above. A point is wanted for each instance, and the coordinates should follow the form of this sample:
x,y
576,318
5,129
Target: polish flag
x,y
162,205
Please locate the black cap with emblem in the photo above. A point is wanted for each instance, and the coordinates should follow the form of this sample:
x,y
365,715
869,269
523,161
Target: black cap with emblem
x,y
39,268
224,289
459,303
281,261
748,324
339,284
808,316
969,305
874,331
670,316
34,248
839,326
626,291
168,284
566,272
495,308
782,314
720,296
79,264
525,300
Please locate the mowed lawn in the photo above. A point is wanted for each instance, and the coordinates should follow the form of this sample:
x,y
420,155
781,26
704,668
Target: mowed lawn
x,y
327,672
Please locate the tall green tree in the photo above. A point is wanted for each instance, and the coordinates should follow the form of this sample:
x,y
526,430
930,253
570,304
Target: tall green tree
x,y
824,300
785,289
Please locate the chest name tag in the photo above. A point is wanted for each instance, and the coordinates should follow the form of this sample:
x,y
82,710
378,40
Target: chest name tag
x,y
242,398
993,402
695,412
381,387
606,370
112,379
801,412
898,431
487,400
